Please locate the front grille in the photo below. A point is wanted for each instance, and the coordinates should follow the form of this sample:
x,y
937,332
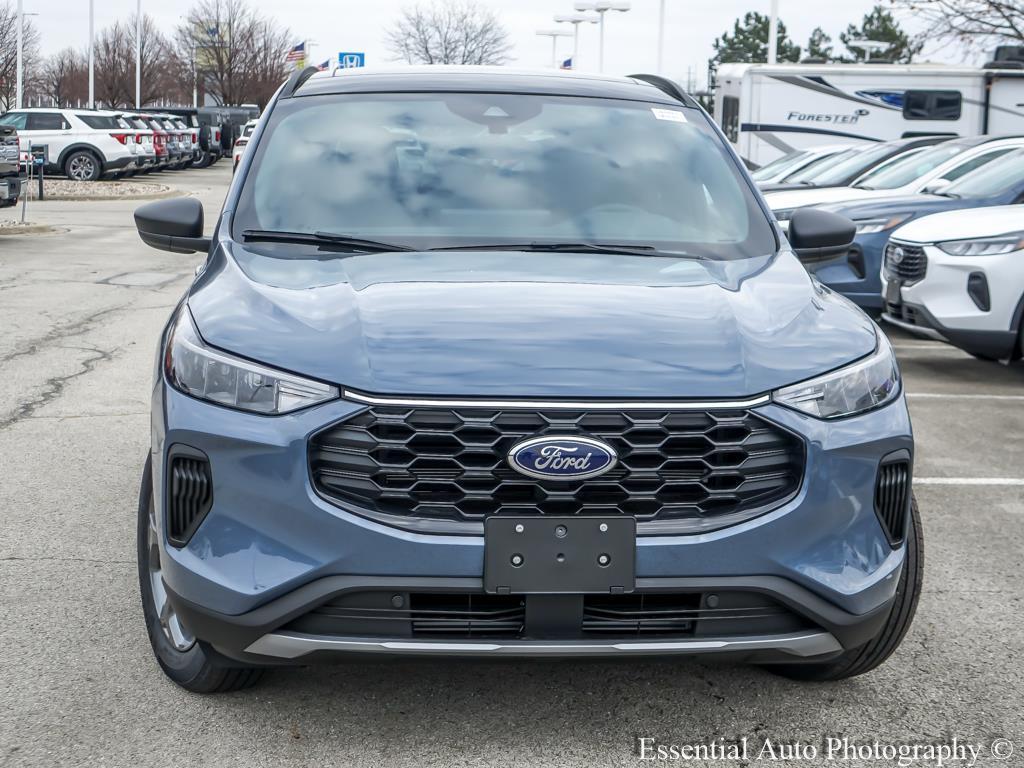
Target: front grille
x,y
911,267
480,616
892,499
697,469
189,496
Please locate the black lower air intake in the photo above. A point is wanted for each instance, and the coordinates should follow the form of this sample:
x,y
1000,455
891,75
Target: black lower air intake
x,y
189,494
892,498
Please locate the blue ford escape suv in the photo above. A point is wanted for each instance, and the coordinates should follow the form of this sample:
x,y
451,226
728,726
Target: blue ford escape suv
x,y
492,363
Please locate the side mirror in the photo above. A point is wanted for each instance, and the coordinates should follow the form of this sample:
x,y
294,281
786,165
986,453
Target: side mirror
x,y
815,235
174,225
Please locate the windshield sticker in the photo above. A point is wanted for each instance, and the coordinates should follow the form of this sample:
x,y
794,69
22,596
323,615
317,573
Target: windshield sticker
x,y
669,114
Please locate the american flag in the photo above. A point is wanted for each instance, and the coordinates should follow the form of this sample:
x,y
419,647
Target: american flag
x,y
567,64
298,53
326,65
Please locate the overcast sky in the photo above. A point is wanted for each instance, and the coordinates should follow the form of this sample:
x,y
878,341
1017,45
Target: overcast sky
x,y
630,38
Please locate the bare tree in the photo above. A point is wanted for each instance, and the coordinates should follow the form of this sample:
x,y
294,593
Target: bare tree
x,y
115,67
976,24
449,32
65,78
158,70
238,54
9,55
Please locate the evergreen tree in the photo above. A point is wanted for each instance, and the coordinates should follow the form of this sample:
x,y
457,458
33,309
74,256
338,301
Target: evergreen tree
x,y
748,42
819,45
880,25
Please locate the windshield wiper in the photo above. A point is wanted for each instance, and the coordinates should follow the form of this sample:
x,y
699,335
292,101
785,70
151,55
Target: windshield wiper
x,y
332,240
613,248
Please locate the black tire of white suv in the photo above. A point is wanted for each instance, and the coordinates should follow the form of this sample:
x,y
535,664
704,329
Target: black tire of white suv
x,y
83,165
857,661
187,661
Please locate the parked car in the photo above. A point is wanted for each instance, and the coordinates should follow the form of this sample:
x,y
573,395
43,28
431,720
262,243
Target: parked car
x,y
143,136
240,145
793,162
849,166
162,142
857,273
206,129
84,145
483,374
959,276
11,183
920,172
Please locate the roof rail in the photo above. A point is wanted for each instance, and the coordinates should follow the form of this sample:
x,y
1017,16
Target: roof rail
x,y
669,87
296,80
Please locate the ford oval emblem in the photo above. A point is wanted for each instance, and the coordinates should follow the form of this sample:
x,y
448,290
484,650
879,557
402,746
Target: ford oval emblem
x,y
562,457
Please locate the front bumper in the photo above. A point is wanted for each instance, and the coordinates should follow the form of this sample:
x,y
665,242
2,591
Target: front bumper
x,y
271,549
939,305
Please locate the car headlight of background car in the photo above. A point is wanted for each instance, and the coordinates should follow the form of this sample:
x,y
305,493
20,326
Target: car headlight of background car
x,y
868,383
988,246
883,224
195,369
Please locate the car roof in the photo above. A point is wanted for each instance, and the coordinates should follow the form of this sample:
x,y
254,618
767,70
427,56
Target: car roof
x,y
484,79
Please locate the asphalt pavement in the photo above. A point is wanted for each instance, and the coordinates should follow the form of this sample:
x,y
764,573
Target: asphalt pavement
x,y
80,312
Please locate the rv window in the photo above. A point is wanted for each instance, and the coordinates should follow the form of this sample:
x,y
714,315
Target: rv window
x,y
731,118
932,105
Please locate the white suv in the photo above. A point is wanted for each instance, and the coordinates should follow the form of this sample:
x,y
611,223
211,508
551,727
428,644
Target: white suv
x,y
82,144
959,276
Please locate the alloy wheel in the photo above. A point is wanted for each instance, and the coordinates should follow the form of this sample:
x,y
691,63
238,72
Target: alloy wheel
x,y
176,634
81,168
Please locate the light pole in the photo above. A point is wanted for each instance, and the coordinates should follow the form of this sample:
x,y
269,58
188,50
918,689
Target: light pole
x,y
554,34
92,62
868,46
773,32
601,7
21,44
575,19
138,54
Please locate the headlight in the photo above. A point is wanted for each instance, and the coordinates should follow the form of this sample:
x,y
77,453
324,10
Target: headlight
x,y
859,387
209,374
873,226
988,246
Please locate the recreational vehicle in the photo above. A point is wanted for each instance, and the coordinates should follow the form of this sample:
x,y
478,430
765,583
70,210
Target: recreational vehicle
x,y
767,110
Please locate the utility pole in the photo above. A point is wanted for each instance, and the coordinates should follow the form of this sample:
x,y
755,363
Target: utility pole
x,y
138,54
20,65
773,32
92,60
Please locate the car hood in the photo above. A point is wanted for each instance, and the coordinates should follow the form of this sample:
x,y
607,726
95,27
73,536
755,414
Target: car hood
x,y
963,224
530,324
916,205
786,199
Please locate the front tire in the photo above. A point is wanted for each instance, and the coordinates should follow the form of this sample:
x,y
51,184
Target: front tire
x,y
857,661
184,659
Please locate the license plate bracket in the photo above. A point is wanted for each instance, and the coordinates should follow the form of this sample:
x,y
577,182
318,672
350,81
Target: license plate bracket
x,y
893,295
559,555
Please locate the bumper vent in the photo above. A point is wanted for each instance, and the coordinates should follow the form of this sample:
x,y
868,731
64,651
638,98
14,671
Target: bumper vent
x,y
479,616
905,262
189,496
447,468
892,499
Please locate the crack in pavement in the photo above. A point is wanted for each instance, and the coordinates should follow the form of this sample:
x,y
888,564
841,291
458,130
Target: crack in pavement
x,y
54,387
65,331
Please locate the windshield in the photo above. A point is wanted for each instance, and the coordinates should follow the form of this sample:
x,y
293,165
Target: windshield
x,y
991,179
456,169
779,165
852,164
909,169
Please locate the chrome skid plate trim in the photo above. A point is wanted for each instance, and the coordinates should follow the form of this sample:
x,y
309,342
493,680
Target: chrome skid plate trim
x,y
291,645
576,405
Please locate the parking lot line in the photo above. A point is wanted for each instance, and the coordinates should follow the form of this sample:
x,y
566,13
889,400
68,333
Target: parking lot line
x,y
969,481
